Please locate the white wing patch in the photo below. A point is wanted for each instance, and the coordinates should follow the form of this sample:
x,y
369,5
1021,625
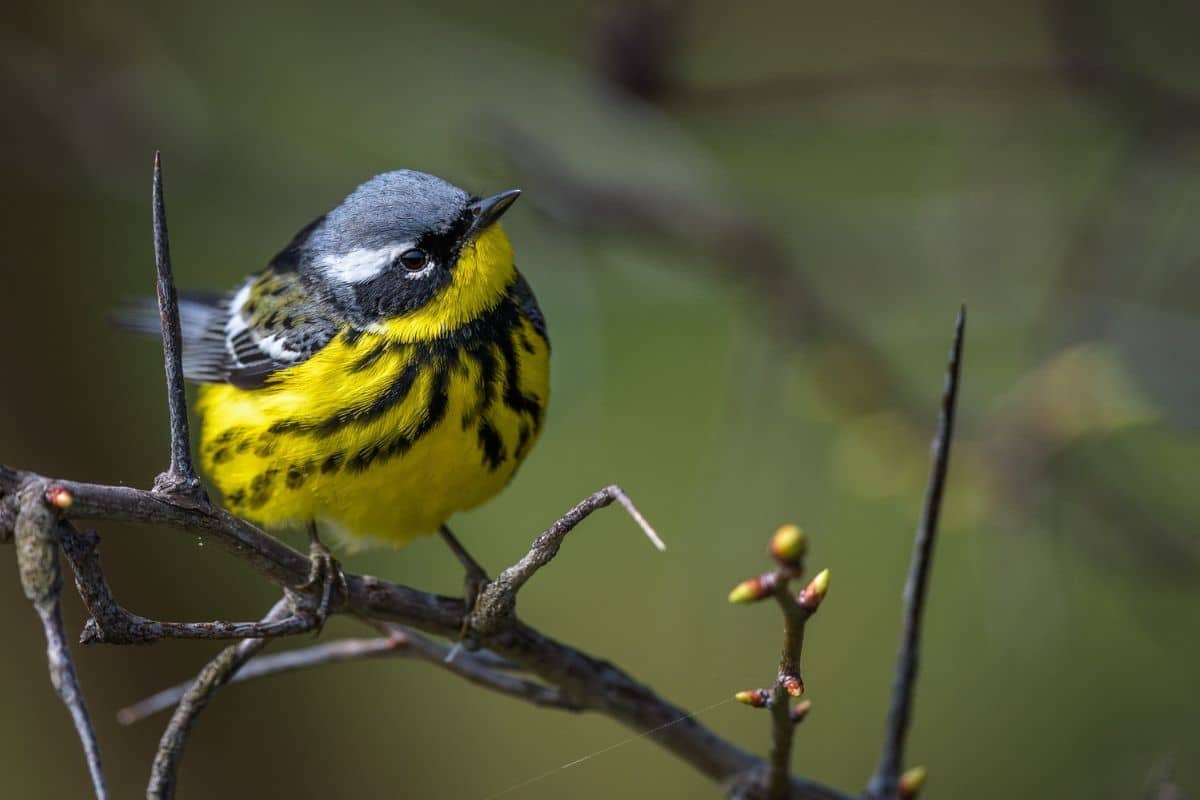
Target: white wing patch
x,y
236,322
244,345
276,347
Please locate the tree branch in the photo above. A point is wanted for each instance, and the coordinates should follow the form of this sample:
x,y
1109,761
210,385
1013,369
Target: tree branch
x,y
885,784
788,547
180,478
303,658
41,580
217,673
589,683
498,599
112,624
788,684
474,667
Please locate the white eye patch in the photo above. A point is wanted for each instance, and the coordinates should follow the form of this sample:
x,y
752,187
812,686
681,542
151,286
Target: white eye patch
x,y
360,264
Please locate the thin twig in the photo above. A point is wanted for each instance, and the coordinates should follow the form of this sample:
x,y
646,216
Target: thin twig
x,y
180,478
41,580
134,629
545,547
141,630
303,658
273,665
218,672
475,670
787,685
788,548
112,624
475,667
269,556
627,504
884,785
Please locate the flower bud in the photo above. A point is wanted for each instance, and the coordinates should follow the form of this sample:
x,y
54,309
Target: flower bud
x,y
812,595
753,590
788,545
800,711
753,697
911,782
793,685
59,497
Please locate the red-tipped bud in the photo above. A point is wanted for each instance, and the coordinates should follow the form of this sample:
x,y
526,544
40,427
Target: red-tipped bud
x,y
59,497
812,595
793,685
753,590
788,545
753,697
911,782
800,711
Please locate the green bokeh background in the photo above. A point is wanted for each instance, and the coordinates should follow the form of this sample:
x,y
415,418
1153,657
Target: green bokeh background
x,y
1061,646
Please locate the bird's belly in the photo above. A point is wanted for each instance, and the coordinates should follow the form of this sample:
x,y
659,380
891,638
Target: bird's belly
x,y
450,444
412,495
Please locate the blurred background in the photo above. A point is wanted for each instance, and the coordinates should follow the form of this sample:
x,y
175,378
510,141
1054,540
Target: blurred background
x,y
750,226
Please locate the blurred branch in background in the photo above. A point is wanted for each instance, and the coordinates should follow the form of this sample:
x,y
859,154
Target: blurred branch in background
x,y
638,47
796,311
1084,391
1162,125
1160,783
41,513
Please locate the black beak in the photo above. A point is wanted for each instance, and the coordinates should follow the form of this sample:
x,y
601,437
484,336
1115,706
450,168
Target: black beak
x,y
489,209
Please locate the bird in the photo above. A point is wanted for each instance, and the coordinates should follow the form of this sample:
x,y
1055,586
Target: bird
x,y
388,368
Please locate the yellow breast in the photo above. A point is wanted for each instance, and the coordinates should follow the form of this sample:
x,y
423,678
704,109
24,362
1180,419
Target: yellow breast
x,y
382,437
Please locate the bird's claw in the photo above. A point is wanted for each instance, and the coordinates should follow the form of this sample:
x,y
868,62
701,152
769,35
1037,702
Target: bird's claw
x,y
325,571
475,580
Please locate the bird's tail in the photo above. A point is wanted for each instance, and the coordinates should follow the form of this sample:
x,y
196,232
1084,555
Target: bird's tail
x,y
197,311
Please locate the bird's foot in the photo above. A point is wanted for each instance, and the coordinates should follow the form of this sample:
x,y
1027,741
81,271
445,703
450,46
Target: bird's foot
x,y
324,571
475,579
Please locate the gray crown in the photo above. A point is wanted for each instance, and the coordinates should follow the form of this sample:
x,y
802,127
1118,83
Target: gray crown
x,y
395,206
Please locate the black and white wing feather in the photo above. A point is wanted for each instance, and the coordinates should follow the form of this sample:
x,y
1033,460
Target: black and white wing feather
x,y
268,324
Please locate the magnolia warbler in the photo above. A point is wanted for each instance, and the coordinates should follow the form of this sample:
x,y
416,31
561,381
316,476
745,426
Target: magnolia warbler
x,y
388,368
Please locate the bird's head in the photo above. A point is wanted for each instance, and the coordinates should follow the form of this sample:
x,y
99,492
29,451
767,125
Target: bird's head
x,y
408,255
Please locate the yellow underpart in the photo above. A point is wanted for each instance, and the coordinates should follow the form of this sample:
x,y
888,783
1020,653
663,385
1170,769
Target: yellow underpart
x,y
392,499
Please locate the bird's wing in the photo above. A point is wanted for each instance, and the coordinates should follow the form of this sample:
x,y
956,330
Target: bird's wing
x,y
270,323
525,299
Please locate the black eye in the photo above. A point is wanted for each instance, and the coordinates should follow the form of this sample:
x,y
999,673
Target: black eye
x,y
414,259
